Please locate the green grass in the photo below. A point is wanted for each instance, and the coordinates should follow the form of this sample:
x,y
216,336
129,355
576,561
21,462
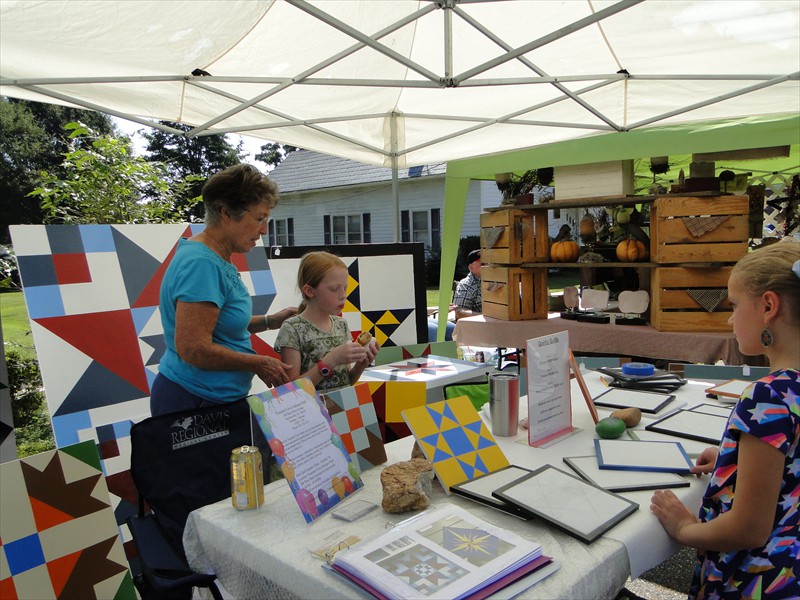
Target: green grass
x,y
16,325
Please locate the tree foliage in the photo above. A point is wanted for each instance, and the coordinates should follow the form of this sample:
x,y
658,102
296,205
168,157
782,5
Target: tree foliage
x,y
273,153
32,428
196,157
34,140
103,182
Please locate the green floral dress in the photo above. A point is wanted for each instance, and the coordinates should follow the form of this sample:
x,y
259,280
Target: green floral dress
x,y
313,344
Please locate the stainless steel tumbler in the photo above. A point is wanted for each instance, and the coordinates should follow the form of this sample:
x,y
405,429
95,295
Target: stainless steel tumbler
x,y
504,403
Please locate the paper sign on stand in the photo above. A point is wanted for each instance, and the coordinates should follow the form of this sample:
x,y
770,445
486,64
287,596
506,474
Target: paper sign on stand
x,y
307,446
549,403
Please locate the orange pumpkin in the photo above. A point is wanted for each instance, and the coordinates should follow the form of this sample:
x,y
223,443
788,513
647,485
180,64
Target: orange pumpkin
x,y
564,251
631,250
587,225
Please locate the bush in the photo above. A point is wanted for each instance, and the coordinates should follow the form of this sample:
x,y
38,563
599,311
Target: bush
x,y
466,245
433,262
32,428
9,273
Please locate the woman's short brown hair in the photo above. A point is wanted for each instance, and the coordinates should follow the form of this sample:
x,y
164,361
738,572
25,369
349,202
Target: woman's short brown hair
x,y
236,188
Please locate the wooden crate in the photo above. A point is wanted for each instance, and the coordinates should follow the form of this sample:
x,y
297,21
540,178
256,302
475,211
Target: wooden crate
x,y
514,293
613,178
671,241
673,309
524,237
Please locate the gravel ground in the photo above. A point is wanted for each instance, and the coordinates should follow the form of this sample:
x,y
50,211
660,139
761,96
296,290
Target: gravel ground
x,y
668,581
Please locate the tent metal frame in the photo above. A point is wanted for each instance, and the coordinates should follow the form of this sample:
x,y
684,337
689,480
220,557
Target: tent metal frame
x,y
430,80
283,126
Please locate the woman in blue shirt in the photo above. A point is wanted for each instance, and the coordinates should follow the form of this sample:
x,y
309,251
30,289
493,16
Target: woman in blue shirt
x,y
206,310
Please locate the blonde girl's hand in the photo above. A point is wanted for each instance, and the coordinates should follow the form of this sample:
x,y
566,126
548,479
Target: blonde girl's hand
x,y
348,353
272,371
671,512
705,462
372,351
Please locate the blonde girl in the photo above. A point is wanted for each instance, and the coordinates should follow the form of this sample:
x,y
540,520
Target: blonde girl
x,y
747,530
317,342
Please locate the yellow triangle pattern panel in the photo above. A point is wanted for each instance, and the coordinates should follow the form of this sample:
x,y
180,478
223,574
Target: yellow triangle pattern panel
x,y
352,284
349,307
388,319
366,324
380,336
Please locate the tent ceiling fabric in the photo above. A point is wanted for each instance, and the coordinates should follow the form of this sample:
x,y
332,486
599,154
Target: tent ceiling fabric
x,y
454,79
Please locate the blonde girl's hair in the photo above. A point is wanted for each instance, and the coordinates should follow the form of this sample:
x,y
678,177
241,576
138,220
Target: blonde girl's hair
x,y
313,267
770,269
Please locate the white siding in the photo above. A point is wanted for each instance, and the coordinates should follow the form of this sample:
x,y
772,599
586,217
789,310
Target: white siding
x,y
424,193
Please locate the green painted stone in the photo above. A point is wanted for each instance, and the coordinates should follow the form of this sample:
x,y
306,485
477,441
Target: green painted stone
x,y
610,428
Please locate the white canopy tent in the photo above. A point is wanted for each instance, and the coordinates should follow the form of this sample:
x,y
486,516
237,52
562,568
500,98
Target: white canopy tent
x,y
409,82
406,82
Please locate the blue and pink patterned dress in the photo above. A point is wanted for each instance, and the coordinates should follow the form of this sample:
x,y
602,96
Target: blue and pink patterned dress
x,y
770,411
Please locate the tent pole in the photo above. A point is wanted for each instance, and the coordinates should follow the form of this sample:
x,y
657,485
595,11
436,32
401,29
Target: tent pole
x,y
395,187
455,201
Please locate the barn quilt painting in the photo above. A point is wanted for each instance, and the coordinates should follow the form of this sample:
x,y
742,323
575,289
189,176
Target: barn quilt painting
x,y
456,440
58,536
391,398
354,417
92,297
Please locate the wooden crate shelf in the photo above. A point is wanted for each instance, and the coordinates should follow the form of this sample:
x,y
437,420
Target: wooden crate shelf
x,y
523,238
515,267
673,309
672,242
514,293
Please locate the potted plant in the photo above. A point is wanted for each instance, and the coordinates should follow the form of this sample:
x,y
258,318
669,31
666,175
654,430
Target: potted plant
x,y
518,189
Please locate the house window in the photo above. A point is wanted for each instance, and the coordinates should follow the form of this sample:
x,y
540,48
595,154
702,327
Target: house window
x,y
347,229
281,232
421,226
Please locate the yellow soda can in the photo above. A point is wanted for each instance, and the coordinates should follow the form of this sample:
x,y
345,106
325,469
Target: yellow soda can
x,y
247,478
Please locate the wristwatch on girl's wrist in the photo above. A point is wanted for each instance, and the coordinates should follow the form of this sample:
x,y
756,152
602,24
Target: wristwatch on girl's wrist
x,y
324,370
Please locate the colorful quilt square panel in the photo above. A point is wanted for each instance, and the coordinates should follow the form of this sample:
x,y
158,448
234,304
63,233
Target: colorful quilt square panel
x,y
353,414
58,531
390,399
455,439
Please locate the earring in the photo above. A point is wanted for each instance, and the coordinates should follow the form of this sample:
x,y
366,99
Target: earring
x,y
766,338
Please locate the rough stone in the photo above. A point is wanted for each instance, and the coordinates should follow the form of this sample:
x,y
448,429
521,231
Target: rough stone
x,y
407,485
416,451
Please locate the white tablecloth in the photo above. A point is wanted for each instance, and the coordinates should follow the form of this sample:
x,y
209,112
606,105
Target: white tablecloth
x,y
265,553
620,340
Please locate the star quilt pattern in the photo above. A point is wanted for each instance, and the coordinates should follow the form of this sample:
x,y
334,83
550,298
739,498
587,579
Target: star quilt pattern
x,y
58,534
455,439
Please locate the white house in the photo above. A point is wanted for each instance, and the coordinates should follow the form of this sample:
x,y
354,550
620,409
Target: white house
x,y
328,200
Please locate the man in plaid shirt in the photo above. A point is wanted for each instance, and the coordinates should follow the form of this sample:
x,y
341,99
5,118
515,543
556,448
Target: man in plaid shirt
x,y
467,298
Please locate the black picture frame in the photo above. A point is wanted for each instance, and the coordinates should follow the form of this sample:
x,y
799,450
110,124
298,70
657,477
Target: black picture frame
x,y
622,481
689,424
647,402
480,489
539,495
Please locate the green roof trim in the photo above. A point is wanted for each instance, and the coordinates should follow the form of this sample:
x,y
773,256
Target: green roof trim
x,y
685,138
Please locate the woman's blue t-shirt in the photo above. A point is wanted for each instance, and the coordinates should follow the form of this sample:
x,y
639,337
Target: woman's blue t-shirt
x,y
198,274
